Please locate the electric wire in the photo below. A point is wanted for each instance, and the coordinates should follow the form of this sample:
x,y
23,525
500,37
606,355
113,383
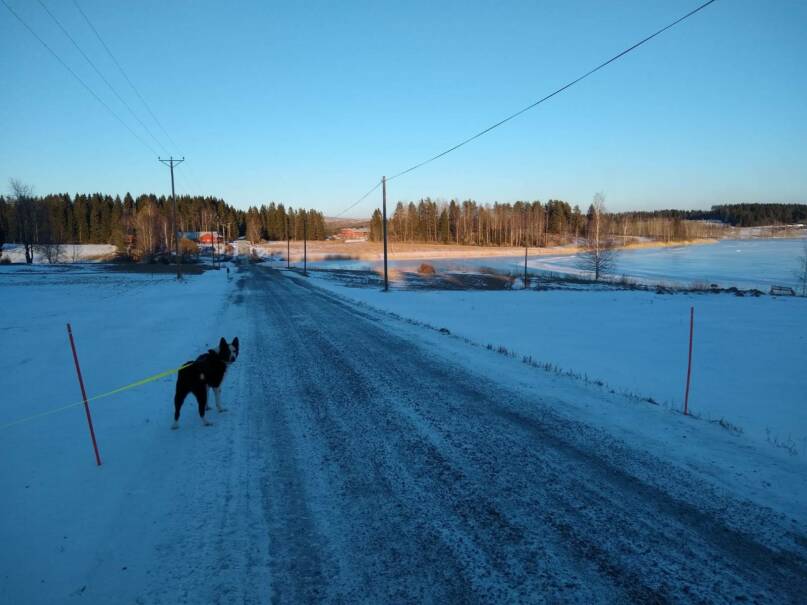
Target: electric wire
x,y
101,75
126,77
549,96
536,103
82,82
190,173
359,201
378,184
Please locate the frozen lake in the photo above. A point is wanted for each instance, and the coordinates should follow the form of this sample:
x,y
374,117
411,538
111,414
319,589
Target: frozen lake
x,y
743,263
757,263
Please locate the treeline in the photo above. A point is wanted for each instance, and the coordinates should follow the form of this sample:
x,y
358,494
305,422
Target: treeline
x,y
525,223
661,226
737,215
471,223
275,222
140,227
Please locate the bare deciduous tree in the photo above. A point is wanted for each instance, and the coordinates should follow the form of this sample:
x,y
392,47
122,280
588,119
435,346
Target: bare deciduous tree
x,y
51,249
599,256
26,217
147,225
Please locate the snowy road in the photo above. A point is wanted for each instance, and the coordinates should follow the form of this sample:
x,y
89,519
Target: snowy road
x,y
362,467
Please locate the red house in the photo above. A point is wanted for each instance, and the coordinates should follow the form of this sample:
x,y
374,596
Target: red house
x,y
205,238
349,233
210,237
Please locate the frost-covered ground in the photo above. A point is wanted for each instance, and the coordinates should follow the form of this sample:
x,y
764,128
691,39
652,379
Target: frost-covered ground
x,y
362,458
69,253
749,353
65,524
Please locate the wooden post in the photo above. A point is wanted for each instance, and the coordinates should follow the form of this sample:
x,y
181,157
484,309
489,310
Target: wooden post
x,y
384,219
526,245
689,364
84,396
305,242
171,162
525,267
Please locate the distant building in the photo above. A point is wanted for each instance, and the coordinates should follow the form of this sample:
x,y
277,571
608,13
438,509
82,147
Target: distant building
x,y
350,234
205,238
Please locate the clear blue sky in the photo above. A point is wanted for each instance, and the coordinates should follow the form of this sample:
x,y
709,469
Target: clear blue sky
x,y
310,103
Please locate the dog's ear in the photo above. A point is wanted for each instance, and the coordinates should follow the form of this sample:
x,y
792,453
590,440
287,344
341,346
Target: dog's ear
x,y
235,343
222,344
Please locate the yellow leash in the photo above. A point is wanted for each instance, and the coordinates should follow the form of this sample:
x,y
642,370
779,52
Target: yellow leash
x,y
96,397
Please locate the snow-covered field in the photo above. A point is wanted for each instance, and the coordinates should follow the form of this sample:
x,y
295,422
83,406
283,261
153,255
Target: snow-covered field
x,y
749,353
69,253
60,516
185,516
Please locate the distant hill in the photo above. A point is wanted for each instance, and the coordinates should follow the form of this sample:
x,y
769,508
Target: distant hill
x,y
334,224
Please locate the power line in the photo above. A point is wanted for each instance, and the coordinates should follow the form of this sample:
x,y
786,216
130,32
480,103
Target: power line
x,y
84,84
189,169
126,77
549,96
101,75
360,200
536,103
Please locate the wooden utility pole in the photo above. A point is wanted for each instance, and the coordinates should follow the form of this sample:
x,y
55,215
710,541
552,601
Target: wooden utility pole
x,y
288,244
526,247
214,238
171,162
305,243
525,266
223,251
384,224
689,362
224,241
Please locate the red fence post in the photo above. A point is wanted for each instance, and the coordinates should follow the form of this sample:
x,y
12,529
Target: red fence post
x,y
84,396
689,364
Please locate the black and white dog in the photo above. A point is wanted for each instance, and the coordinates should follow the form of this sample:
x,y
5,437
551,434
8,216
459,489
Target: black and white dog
x,y
206,371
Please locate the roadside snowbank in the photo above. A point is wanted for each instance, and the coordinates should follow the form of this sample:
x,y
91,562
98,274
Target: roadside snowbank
x,y
749,468
749,353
